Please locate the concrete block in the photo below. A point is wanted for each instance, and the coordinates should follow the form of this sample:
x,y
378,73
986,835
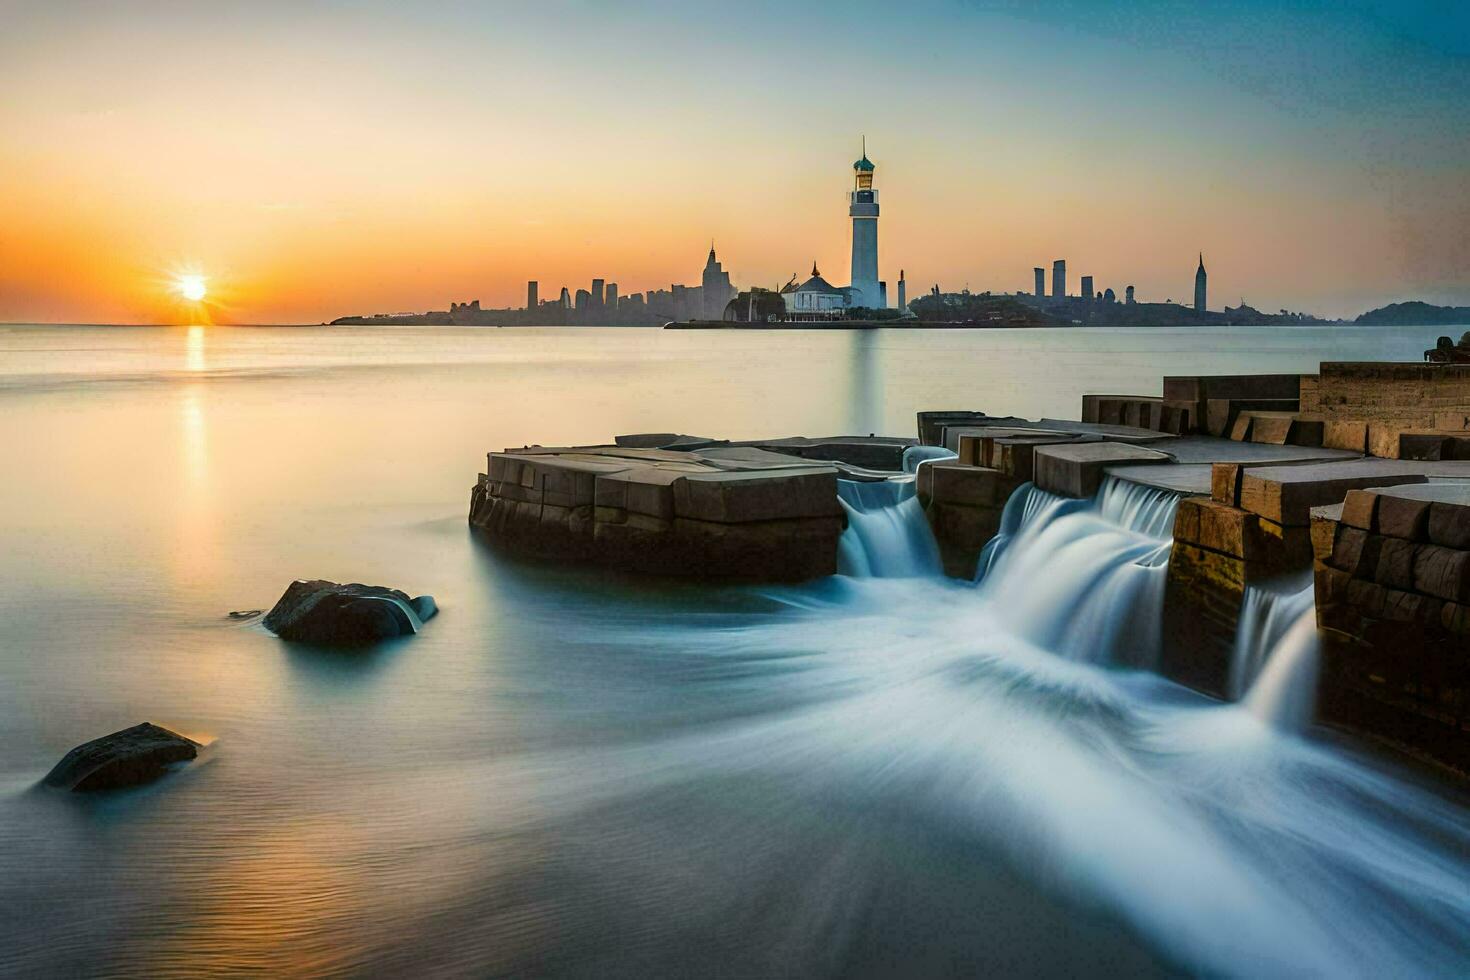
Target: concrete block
x,y
1395,567
1221,413
1077,470
1442,572
1232,531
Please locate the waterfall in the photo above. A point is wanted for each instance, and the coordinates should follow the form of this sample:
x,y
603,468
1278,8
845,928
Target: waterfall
x,y
1267,612
916,456
1285,693
887,534
1084,578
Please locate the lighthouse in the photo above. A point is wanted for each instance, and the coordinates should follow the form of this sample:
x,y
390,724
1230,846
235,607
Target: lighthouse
x,y
863,209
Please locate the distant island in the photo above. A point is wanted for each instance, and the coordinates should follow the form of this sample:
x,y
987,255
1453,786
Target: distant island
x,y
1415,314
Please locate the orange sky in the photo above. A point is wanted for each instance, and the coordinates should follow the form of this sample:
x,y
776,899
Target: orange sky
x,y
314,161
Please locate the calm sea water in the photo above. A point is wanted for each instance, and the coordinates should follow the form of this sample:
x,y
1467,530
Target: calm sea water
x,y
583,774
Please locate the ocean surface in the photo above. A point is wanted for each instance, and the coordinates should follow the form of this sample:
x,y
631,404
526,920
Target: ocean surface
x,y
578,773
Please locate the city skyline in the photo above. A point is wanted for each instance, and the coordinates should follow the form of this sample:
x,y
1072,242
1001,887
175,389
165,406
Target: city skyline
x,y
1307,161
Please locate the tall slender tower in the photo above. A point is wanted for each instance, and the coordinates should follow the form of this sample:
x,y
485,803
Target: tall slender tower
x,y
532,299
1199,285
903,292
1040,281
863,209
1059,279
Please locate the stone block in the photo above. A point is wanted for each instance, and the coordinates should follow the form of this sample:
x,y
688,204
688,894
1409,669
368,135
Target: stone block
x,y
1455,617
642,490
970,486
1355,552
1186,518
1232,531
1345,434
1286,494
1241,430
1395,567
1323,530
1449,524
1402,517
1330,584
1442,572
1221,413
772,495
1359,509
1077,470
1411,607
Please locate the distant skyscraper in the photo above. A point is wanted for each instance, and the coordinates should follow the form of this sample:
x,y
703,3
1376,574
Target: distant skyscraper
x,y
566,299
610,297
1199,285
1059,278
903,292
595,300
715,288
863,209
1128,296
1040,281
1087,290
584,300
533,298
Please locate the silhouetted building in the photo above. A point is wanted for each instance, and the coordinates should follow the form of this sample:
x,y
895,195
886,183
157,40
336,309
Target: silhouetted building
x,y
1109,296
1128,293
863,209
610,297
533,298
903,292
1087,290
1059,279
584,300
1199,285
566,299
1040,282
594,300
715,288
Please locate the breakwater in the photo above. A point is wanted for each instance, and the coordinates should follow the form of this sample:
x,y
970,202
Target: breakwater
x,y
1157,532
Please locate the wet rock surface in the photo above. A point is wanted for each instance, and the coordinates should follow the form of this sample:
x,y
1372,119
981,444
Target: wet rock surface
x,y
330,614
129,757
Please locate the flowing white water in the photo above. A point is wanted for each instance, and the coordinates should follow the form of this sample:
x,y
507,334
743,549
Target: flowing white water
x,y
1267,612
1286,692
1084,578
887,533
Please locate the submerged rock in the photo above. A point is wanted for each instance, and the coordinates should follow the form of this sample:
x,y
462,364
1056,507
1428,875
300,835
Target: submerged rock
x,y
127,758
245,613
330,614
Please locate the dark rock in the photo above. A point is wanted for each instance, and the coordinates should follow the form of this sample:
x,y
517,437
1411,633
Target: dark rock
x,y
127,758
329,614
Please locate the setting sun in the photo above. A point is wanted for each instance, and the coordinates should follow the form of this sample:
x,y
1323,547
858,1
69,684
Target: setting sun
x,y
191,288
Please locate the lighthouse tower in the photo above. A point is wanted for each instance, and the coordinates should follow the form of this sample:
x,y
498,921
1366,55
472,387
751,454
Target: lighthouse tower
x,y
863,209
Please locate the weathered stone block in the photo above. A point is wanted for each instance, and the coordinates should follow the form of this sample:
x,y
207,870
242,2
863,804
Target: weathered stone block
x,y
1402,517
1323,530
1345,434
1077,470
1355,552
739,497
1360,508
1442,572
1232,531
1286,494
1395,567
1411,607
971,486
1449,525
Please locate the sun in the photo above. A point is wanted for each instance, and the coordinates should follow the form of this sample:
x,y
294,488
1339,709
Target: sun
x,y
191,288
